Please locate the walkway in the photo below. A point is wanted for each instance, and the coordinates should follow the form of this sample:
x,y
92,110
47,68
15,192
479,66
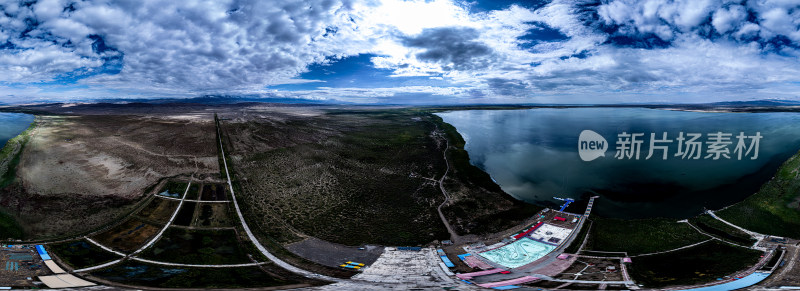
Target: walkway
x,y
132,256
759,237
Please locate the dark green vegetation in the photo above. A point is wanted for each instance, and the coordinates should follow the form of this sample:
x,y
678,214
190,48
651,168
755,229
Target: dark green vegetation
x,y
361,176
198,247
194,192
576,243
9,228
139,274
214,192
775,208
81,254
185,214
346,177
640,236
703,263
479,205
719,229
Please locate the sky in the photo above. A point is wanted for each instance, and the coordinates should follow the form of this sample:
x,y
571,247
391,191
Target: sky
x,y
402,52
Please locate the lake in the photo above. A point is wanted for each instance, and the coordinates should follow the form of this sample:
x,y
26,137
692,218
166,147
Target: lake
x,y
533,155
12,124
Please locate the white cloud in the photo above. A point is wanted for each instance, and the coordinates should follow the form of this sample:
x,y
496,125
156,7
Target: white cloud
x,y
727,19
188,48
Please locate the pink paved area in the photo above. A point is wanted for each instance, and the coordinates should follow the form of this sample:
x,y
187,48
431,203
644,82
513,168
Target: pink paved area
x,y
475,262
520,280
467,276
552,269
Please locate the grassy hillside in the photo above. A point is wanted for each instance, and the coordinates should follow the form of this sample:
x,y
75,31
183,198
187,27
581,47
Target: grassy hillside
x,y
640,236
10,155
775,208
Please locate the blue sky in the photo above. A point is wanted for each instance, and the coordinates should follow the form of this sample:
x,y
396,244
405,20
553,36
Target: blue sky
x,y
402,52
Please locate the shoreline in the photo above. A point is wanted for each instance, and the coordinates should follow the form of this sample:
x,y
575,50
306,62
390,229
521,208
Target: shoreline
x,y
11,151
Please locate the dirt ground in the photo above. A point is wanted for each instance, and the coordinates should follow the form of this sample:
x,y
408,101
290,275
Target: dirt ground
x,y
333,255
78,173
119,155
159,210
212,215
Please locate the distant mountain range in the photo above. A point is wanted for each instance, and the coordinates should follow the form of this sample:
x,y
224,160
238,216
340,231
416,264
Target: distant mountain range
x,y
220,99
228,99
759,103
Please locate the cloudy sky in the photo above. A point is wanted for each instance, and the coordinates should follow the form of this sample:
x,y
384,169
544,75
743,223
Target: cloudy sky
x,y
392,51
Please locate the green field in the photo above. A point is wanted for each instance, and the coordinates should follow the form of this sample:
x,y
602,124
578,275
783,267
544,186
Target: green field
x,y
640,236
775,208
140,274
700,264
198,247
194,192
81,254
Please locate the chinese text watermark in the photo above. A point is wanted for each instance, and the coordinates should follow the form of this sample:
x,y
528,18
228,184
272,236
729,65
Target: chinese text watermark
x,y
686,145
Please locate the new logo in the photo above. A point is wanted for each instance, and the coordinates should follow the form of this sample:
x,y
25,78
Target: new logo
x,y
591,145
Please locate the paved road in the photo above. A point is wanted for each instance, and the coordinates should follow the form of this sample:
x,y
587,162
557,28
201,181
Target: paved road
x,y
105,247
196,265
676,249
98,266
190,200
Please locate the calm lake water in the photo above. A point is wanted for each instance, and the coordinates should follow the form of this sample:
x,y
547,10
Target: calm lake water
x,y
12,124
533,155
